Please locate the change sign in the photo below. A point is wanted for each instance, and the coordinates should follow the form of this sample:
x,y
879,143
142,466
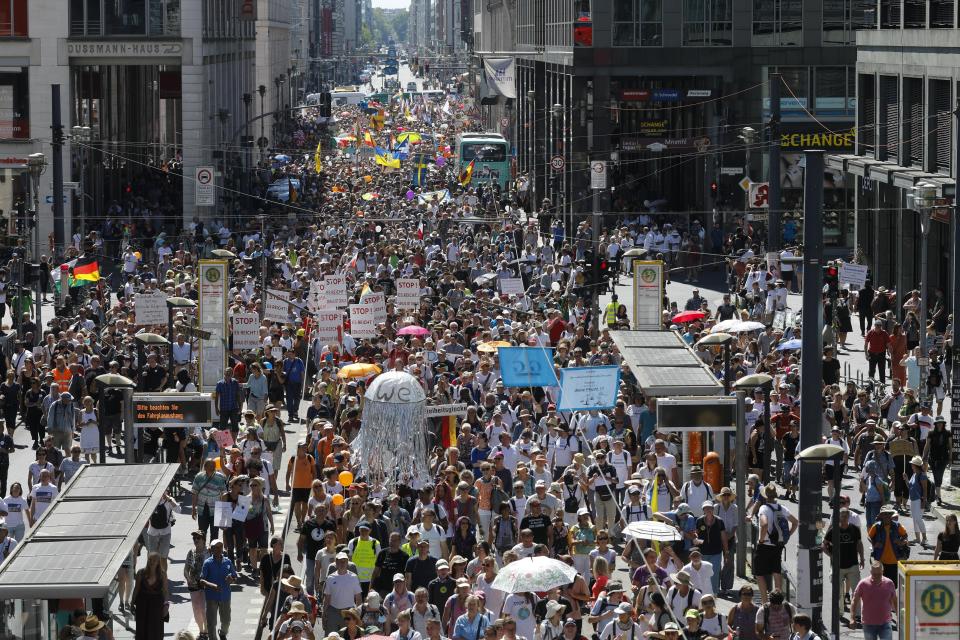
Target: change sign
x,y
172,410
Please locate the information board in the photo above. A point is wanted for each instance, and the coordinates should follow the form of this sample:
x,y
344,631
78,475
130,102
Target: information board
x,y
212,311
647,295
172,410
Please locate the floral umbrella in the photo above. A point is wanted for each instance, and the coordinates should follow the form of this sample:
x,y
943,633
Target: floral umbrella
x,y
533,574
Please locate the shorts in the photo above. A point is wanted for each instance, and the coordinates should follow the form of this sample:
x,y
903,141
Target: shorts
x,y
111,424
160,544
61,439
299,495
788,478
767,560
786,276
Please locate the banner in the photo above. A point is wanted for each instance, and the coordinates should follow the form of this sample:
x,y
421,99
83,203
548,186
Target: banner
x,y
212,312
246,331
335,291
511,286
583,388
150,308
329,325
441,410
172,410
408,293
277,306
500,76
526,367
363,321
377,301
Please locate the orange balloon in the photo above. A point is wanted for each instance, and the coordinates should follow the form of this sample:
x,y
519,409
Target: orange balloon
x,y
337,499
216,463
345,478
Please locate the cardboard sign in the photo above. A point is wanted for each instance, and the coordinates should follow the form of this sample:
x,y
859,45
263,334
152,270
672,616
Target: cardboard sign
x,y
363,321
408,293
246,331
903,448
377,301
511,286
150,308
335,291
277,306
853,274
328,327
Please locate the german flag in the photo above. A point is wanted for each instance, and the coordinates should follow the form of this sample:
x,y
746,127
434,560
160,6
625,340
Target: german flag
x,y
86,269
448,431
467,174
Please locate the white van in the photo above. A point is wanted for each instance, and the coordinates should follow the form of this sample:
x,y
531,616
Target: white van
x,y
344,98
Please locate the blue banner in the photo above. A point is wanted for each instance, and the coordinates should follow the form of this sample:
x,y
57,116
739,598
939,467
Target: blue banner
x,y
526,367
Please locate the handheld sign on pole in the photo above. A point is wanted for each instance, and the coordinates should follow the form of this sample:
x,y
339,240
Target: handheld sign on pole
x,y
526,367
584,388
277,306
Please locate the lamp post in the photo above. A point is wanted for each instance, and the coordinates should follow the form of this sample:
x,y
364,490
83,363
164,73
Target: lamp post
x,y
765,383
116,381
36,165
142,340
748,135
261,90
821,453
924,195
175,302
246,146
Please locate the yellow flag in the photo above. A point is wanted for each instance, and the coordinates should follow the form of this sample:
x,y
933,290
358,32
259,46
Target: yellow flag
x,y
653,505
317,164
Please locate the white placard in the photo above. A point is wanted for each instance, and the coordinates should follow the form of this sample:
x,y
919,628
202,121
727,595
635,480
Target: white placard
x,y
647,295
243,507
205,194
150,308
316,299
584,388
222,514
441,410
853,274
773,262
328,327
246,331
335,291
277,306
377,301
511,286
408,293
363,321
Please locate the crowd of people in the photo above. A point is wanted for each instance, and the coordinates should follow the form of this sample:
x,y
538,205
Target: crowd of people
x,y
520,479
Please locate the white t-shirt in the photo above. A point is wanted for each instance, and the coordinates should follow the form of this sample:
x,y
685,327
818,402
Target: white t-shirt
x,y
42,497
7,547
342,589
700,578
434,536
520,608
15,508
669,462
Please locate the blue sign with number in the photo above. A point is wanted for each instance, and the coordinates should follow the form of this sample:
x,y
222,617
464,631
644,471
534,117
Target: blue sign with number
x,y
526,367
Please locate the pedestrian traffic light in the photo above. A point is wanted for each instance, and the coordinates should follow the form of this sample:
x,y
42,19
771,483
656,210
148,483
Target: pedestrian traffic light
x,y
831,279
713,188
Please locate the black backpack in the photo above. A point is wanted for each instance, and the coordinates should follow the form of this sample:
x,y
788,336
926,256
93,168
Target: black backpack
x,y
160,518
571,504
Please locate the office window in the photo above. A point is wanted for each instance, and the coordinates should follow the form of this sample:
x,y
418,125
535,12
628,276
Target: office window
x,y
941,14
777,23
124,17
13,19
708,23
638,23
890,14
15,105
830,90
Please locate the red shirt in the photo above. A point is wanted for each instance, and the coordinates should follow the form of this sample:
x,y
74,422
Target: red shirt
x,y
876,340
875,599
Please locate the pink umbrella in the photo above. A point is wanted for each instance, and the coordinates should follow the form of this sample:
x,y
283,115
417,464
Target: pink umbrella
x,y
413,330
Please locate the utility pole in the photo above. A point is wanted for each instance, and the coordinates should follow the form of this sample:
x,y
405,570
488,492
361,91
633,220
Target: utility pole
x,y
810,561
923,199
57,139
263,264
774,215
955,302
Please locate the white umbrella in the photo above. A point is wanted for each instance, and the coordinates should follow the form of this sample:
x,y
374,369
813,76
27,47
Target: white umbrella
x,y
533,574
747,326
652,530
724,325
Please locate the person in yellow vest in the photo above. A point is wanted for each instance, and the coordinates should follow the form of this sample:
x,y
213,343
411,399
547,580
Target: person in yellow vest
x,y
363,553
610,313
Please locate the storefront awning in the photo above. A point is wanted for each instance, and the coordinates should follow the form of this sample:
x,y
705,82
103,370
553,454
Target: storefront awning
x,y
79,543
665,365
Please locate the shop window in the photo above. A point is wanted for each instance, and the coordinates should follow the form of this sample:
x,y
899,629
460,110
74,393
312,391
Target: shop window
x,y
13,19
14,105
707,23
777,23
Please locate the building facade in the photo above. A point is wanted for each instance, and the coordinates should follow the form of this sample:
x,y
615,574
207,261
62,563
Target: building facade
x,y
662,90
908,84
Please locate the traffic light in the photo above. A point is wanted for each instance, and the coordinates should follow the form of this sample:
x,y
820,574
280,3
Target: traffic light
x,y
603,274
714,187
831,279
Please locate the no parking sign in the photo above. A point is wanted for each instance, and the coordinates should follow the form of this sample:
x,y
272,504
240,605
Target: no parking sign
x,y
204,194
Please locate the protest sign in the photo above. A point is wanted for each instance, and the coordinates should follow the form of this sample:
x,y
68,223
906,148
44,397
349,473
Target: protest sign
x,y
526,366
363,321
511,286
408,293
328,327
277,306
853,274
583,388
246,331
150,308
377,301
441,410
335,291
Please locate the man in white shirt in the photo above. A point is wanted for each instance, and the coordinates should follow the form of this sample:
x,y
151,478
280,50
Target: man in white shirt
x,y
42,495
340,591
182,351
667,461
695,491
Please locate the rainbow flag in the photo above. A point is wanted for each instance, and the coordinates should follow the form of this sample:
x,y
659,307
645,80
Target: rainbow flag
x,y
448,431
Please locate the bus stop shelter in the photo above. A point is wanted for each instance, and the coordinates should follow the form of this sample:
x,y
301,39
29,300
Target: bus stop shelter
x,y
74,551
664,365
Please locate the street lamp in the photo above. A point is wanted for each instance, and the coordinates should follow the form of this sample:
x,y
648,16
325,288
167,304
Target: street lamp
x,y
142,340
765,383
724,340
924,195
749,136
116,381
223,253
820,453
175,302
261,90
36,165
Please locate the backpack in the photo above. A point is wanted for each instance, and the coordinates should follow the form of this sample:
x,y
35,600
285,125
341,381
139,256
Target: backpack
x,y
160,518
766,615
672,592
571,503
685,490
780,532
879,536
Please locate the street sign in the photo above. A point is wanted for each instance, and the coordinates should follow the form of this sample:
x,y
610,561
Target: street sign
x,y
557,163
730,171
193,332
759,195
204,194
745,183
172,410
598,174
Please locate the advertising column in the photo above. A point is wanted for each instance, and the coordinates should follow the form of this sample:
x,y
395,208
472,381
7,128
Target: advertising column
x,y
213,318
